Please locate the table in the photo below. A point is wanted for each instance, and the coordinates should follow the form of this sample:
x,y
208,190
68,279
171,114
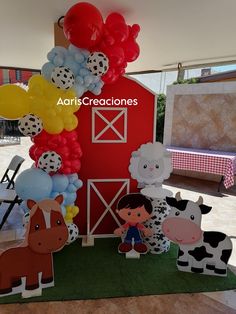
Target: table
x,y
207,161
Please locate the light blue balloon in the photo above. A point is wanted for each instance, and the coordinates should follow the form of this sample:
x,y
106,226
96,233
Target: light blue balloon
x,y
47,70
33,184
78,184
60,182
58,60
70,198
71,188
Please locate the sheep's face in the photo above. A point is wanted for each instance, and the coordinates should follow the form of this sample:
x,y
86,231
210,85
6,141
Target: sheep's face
x,y
150,169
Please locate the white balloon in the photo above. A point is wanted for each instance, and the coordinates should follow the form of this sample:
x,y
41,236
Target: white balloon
x,y
30,125
73,233
62,77
49,161
98,63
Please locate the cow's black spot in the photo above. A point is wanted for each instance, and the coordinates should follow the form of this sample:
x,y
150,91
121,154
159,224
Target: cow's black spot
x,y
180,253
182,263
152,243
213,238
210,267
197,270
199,253
220,271
181,205
225,255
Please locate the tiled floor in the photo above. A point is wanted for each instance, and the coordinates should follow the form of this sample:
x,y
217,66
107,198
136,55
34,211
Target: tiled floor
x,y
222,218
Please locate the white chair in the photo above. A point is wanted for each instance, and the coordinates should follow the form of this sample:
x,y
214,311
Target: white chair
x,y
7,181
7,192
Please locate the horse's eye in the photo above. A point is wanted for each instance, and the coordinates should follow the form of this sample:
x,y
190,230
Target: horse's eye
x,y
177,214
192,217
59,222
157,166
36,227
145,166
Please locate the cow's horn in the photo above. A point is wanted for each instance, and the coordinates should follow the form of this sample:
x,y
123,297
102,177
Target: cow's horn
x,y
178,197
200,200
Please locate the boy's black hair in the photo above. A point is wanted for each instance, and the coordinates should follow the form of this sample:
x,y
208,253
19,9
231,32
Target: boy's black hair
x,y
135,200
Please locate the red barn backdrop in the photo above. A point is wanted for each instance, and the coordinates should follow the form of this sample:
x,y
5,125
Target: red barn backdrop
x,y
108,135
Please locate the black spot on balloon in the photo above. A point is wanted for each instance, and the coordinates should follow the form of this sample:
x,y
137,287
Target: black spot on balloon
x,y
57,76
51,167
100,55
95,67
32,119
67,87
105,67
53,79
33,133
71,231
67,70
101,64
63,82
65,76
45,156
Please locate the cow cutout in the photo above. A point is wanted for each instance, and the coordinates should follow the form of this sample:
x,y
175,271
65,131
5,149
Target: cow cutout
x,y
29,267
203,252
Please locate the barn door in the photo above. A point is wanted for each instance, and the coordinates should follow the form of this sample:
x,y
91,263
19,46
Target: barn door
x,y
109,125
102,198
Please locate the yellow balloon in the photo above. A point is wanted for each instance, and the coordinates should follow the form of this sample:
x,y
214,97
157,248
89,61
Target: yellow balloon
x,y
71,212
14,102
48,102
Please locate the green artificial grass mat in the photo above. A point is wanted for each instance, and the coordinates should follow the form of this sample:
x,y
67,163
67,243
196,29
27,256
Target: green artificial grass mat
x,y
100,272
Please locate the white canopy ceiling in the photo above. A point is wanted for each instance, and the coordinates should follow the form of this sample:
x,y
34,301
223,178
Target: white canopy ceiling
x,y
172,31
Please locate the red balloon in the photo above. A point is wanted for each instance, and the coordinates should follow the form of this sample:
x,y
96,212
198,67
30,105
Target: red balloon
x,y
83,25
131,50
114,18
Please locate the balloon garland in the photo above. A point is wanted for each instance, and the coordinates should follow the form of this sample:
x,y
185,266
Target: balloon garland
x,y
98,54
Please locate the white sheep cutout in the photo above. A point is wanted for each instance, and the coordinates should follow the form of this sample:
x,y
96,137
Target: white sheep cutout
x,y
150,164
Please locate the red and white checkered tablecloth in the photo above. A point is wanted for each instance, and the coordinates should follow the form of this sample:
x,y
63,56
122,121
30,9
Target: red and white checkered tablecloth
x,y
215,162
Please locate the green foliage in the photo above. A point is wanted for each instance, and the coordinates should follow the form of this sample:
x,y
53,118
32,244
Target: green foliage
x,y
161,105
187,81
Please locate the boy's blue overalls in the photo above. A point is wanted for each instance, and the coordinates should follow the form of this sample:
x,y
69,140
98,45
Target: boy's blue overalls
x,y
133,233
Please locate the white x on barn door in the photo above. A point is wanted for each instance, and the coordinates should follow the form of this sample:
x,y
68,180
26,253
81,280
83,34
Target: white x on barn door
x,y
99,115
91,186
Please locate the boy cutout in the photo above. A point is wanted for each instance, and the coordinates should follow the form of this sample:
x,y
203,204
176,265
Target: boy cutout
x,y
134,209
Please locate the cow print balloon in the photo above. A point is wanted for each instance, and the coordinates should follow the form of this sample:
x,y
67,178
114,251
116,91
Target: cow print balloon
x,y
30,125
97,63
73,233
62,78
49,161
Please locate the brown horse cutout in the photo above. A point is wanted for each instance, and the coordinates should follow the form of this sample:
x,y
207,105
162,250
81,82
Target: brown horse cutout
x,y
46,233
